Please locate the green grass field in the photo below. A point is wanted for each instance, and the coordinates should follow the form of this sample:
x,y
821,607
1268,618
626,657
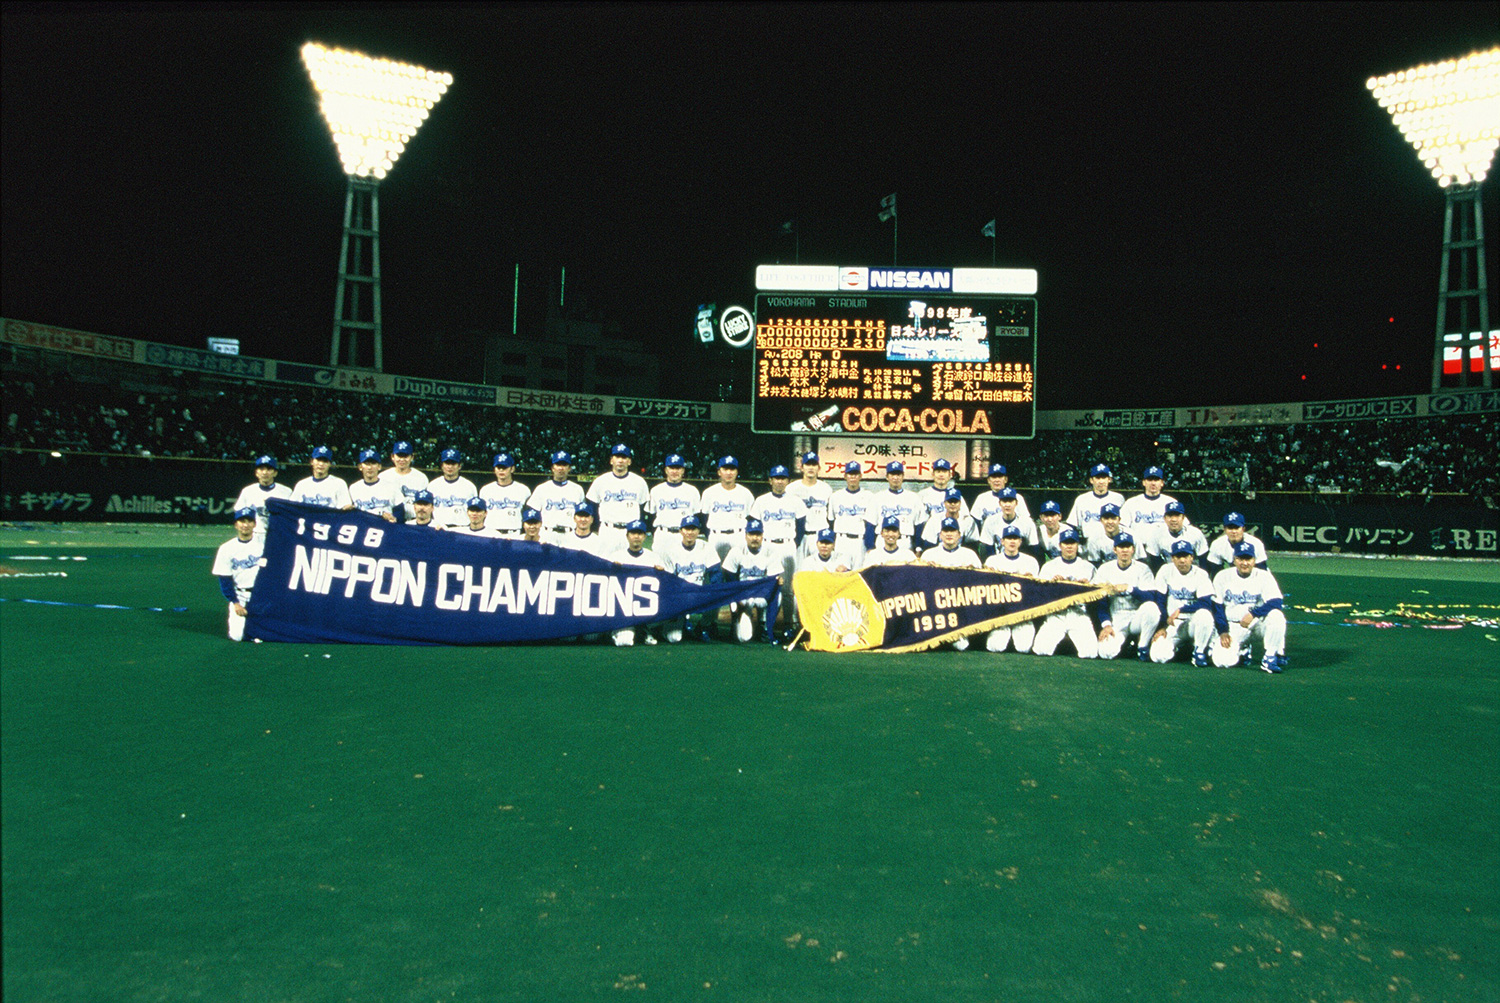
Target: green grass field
x,y
189,819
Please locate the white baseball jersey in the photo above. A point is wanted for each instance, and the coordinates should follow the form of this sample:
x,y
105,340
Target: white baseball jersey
x,y
1159,544
750,564
903,504
725,509
989,533
255,497
1047,540
1140,516
1022,564
933,497
556,500
779,515
814,498
1221,551
928,537
670,503
379,498
241,562
958,557
329,492
1137,576
1087,505
505,505
1076,570
880,555
1181,589
846,512
644,559
485,532
812,562
590,544
410,483
619,499
688,564
1098,544
1240,594
450,500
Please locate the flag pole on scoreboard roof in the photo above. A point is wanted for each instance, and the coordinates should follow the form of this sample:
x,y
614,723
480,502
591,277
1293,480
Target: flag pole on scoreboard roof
x,y
888,212
989,231
790,227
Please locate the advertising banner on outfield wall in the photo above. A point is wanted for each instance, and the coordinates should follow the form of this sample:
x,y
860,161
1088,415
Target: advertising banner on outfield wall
x,y
873,454
1375,529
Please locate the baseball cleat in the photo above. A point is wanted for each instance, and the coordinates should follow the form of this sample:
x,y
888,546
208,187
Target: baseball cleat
x,y
1200,658
1143,652
1269,664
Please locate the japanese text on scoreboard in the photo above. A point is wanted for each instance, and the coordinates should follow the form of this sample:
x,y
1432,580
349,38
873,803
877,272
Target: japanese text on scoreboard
x,y
856,350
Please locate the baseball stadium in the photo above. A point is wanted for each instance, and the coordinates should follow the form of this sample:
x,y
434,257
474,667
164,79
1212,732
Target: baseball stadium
x,y
851,644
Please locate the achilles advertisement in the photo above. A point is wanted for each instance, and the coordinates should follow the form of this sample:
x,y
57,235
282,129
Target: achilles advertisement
x,y
352,577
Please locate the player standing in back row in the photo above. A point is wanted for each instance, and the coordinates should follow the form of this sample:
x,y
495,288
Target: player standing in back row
x,y
673,500
403,475
726,506
506,498
265,487
557,499
1087,505
619,496
814,494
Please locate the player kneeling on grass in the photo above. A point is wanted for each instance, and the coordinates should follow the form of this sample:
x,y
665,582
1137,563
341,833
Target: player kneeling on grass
x,y
1012,561
1193,611
1132,614
1253,608
237,562
689,558
1074,623
634,554
949,553
746,562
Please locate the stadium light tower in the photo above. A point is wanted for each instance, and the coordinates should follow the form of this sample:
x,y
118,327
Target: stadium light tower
x,y
373,107
1450,113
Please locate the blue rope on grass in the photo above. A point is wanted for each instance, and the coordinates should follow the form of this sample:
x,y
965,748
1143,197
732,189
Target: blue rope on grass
x,y
86,605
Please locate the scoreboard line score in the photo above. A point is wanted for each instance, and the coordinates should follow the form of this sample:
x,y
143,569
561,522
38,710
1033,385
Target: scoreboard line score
x,y
860,350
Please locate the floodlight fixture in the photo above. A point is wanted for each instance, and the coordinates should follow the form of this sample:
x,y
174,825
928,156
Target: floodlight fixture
x,y
373,108
1449,112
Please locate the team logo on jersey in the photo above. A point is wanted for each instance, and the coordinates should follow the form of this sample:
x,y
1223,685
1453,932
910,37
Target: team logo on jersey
x,y
847,622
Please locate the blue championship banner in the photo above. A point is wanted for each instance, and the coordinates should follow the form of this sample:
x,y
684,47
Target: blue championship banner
x,y
353,577
913,607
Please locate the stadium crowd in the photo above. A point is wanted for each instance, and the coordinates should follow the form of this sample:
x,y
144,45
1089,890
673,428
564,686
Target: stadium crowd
x,y
203,417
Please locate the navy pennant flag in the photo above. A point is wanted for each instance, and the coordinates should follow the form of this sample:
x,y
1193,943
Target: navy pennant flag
x,y
913,607
353,577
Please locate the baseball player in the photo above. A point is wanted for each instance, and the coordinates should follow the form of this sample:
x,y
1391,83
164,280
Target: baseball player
x,y
506,498
893,548
531,525
421,505
783,516
895,501
1193,611
1133,613
725,507
1252,604
953,505
477,509
1099,537
1049,533
1175,526
846,516
746,562
814,494
236,563
1142,514
452,491
1009,514
823,557
619,496
673,499
1074,623
689,558
1087,505
583,536
1221,550
403,475
1013,561
321,488
935,495
557,499
633,554
950,551
255,495
371,494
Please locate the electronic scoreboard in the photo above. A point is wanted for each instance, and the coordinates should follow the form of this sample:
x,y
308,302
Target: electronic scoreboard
x,y
861,350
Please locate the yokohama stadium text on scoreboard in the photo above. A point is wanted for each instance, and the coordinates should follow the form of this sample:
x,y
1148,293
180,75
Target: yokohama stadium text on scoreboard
x,y
862,349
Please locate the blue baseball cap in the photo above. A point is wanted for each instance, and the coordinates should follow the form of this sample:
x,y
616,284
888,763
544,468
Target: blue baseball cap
x,y
368,456
1175,508
267,460
1014,531
423,497
1244,549
562,456
998,470
728,463
321,453
780,471
1007,494
246,512
809,458
754,526
1100,470
621,450
1154,474
531,515
1069,535
853,467
504,460
941,464
1124,540
1234,519
953,494
827,536
401,448
1109,509
949,523
477,504
583,508
691,522
1181,547
635,526
451,455
1051,508
895,467
674,460
890,522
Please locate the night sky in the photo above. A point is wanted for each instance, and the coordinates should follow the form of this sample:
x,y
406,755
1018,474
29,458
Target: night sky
x,y
1206,191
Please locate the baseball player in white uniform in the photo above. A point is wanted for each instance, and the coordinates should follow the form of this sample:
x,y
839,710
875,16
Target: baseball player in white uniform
x,y
1252,602
673,499
506,498
897,502
421,504
950,553
823,557
892,548
935,495
1008,514
1174,527
265,487
583,538
814,494
783,516
1221,550
477,510
953,506
1143,514
557,499
531,525
1074,623
1050,531
371,494
1099,537
1013,561
634,554
725,507
322,488
1087,505
1193,611
619,495
1132,614
451,492
403,475
846,517
236,563
746,562
689,558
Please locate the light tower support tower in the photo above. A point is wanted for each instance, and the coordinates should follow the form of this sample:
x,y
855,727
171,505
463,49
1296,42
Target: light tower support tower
x,y
373,108
1450,113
